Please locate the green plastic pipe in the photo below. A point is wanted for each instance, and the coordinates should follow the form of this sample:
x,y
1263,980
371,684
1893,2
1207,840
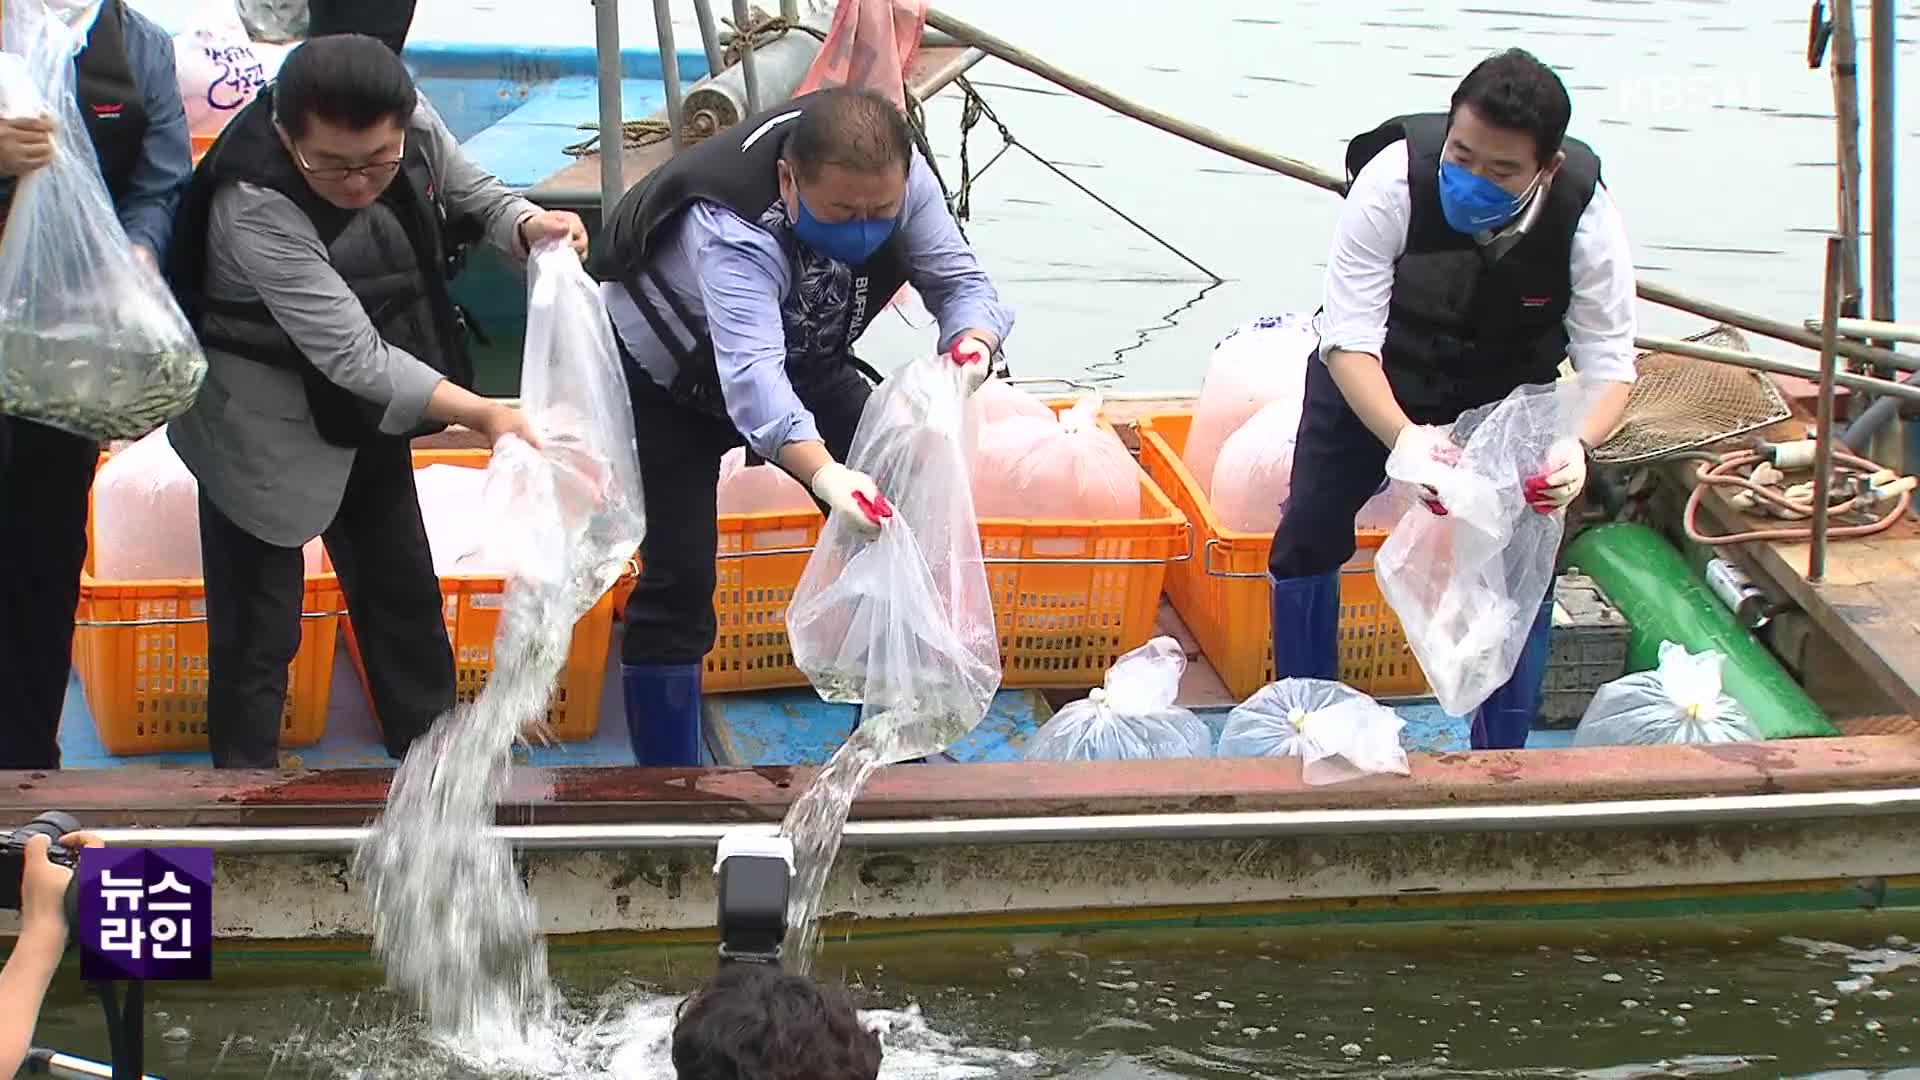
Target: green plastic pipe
x,y
1664,600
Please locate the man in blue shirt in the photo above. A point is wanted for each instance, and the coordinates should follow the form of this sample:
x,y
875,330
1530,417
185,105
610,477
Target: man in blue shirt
x,y
130,101
738,278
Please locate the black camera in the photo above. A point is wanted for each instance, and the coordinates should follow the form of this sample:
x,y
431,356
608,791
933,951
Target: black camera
x,y
13,854
755,870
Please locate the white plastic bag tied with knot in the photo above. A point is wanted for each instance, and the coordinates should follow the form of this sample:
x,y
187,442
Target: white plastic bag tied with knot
x,y
1338,732
1679,701
1072,467
568,515
902,623
1467,584
91,341
1132,717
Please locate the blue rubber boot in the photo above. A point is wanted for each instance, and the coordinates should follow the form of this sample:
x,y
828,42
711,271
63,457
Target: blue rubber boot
x,y
1503,721
663,712
1306,625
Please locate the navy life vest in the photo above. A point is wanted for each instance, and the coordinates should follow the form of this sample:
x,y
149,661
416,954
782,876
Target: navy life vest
x,y
111,103
1470,322
396,256
829,304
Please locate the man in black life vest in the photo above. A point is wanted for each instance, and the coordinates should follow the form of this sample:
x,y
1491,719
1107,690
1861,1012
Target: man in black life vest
x,y
313,258
738,277
1476,249
129,98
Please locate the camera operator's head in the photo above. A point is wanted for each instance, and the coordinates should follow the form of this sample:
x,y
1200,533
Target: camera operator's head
x,y
756,1022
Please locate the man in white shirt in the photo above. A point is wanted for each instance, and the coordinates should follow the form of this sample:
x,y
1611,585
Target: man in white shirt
x,y
1476,250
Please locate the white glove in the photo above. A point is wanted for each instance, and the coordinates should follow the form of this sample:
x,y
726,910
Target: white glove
x,y
973,354
853,494
1563,477
1431,442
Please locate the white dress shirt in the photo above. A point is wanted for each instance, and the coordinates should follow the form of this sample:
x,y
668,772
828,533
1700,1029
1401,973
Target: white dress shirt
x,y
1372,235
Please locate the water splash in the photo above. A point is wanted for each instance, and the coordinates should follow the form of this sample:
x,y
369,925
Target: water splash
x,y
452,921
815,823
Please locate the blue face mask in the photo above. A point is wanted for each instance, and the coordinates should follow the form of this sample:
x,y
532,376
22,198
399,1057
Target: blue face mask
x,y
851,242
1472,203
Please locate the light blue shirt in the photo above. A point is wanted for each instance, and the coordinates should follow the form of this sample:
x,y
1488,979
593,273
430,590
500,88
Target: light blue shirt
x,y
733,275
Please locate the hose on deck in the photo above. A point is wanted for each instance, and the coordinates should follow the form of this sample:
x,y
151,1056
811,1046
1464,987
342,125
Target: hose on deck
x,y
1758,483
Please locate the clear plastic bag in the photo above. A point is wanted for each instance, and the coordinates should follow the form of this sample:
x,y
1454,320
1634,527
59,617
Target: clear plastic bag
x,y
1338,732
1466,585
758,489
1253,366
1255,469
1386,508
1679,701
219,68
1073,467
91,341
902,623
998,399
1132,717
146,516
568,516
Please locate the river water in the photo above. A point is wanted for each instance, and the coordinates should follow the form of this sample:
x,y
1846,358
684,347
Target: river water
x,y
1831,997
1717,143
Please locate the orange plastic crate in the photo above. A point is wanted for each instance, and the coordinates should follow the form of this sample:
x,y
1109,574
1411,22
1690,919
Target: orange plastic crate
x,y
140,649
472,605
1224,597
1069,597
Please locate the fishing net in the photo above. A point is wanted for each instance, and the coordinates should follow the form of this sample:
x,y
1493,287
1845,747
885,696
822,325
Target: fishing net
x,y
1680,403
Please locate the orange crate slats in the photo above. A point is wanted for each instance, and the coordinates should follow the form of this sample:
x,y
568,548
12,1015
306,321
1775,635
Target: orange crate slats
x,y
1223,596
471,606
140,651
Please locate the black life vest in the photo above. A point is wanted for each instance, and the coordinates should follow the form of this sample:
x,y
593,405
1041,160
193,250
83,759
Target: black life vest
x,y
111,103
393,255
1468,322
829,304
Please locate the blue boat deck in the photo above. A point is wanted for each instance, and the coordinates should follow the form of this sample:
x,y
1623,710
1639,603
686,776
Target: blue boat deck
x,y
775,727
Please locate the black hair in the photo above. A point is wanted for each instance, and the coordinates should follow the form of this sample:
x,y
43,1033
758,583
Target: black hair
x,y
854,129
348,80
756,1022
1514,90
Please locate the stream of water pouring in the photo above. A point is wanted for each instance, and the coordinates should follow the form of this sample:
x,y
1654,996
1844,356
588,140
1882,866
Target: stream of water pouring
x,y
814,823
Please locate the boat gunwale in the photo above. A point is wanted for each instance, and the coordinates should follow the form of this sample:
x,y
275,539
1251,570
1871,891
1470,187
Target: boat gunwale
x,y
137,797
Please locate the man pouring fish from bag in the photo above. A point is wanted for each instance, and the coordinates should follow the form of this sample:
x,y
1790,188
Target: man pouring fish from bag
x,y
738,277
1476,249
313,254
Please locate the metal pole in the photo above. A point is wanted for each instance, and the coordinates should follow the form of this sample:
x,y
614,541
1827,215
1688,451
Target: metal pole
x,y
1846,109
1884,139
790,10
669,68
42,1062
709,36
613,138
743,35
1873,329
1823,436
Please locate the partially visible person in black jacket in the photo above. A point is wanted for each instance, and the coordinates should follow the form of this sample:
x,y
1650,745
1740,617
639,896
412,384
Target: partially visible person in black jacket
x,y
388,20
130,99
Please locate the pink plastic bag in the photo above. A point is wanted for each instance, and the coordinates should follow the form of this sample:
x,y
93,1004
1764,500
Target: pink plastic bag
x,y
146,516
758,489
870,46
1255,469
997,399
1258,363
1073,467
220,69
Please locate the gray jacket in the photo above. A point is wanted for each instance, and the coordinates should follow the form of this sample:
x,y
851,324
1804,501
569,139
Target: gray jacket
x,y
249,439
